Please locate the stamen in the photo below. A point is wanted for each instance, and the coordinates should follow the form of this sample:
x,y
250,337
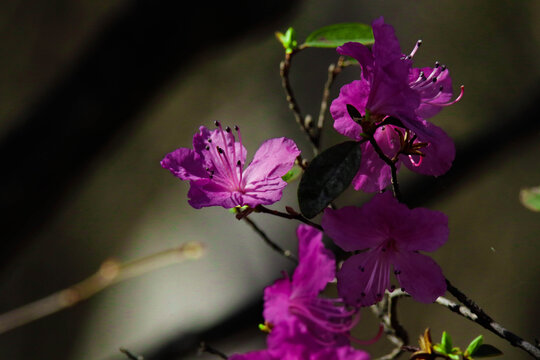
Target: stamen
x,y
228,129
415,49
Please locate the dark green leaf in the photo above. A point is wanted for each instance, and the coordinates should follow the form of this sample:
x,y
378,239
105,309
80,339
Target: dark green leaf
x,y
327,176
530,198
474,345
336,35
486,350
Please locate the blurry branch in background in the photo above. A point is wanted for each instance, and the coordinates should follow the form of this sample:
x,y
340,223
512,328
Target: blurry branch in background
x,y
130,355
110,272
205,348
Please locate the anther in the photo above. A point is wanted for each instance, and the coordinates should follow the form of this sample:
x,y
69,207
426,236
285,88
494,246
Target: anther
x,y
441,88
437,64
219,150
238,163
236,128
217,123
228,129
361,268
434,80
210,140
443,67
207,147
419,42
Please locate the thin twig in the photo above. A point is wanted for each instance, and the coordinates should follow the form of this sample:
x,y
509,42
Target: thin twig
x,y
305,125
109,273
488,323
268,241
386,311
130,355
290,215
392,164
204,347
333,71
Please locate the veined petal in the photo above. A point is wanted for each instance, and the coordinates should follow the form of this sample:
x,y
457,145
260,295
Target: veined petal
x,y
204,193
273,159
363,279
420,276
386,47
316,266
355,94
276,301
438,154
185,164
352,228
362,54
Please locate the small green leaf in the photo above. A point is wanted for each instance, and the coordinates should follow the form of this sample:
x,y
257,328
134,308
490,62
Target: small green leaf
x,y
446,343
530,198
327,176
288,40
454,356
486,350
474,345
292,174
336,35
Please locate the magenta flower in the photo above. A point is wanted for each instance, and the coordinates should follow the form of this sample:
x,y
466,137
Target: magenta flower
x,y
388,234
303,325
390,87
215,169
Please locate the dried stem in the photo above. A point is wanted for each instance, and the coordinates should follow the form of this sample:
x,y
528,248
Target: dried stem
x,y
268,241
290,214
109,273
484,320
333,71
305,125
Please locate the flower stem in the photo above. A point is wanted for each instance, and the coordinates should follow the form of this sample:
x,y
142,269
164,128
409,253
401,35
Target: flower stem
x,y
488,323
268,241
130,355
288,215
333,71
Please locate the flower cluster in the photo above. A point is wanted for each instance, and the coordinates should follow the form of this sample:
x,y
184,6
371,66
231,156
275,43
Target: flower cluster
x,y
390,88
392,101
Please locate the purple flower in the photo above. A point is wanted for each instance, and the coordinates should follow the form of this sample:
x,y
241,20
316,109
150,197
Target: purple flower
x,y
215,169
390,87
388,234
303,325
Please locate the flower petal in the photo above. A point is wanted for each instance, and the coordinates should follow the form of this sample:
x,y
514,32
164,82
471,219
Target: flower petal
x,y
185,164
362,54
420,229
420,276
316,266
356,94
204,193
386,47
276,302
439,153
253,355
363,279
273,159
357,228
433,95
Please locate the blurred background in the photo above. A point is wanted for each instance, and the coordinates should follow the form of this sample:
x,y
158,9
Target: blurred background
x,y
93,94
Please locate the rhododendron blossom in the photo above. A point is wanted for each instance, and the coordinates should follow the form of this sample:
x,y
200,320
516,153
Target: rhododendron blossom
x,y
302,325
389,235
390,87
215,169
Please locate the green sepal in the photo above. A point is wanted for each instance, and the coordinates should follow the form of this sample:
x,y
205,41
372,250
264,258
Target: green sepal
x,y
446,343
336,35
486,350
293,174
288,40
238,209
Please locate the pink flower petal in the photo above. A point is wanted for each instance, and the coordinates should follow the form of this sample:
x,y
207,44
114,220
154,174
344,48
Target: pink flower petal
x,y
273,159
420,276
185,164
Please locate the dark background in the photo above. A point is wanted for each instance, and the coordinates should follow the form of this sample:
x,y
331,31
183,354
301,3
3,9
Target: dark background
x,y
94,93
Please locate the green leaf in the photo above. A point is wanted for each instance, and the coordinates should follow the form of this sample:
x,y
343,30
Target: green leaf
x,y
486,350
288,40
327,176
530,198
446,343
292,174
336,35
474,345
